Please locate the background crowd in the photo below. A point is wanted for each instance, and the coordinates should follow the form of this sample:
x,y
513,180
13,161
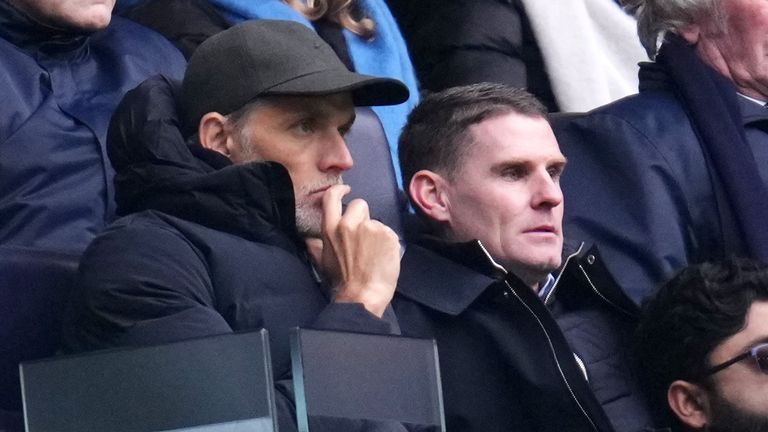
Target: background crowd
x,y
183,163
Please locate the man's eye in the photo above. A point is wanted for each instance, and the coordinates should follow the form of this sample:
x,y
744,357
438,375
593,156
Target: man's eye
x,y
555,173
513,173
304,127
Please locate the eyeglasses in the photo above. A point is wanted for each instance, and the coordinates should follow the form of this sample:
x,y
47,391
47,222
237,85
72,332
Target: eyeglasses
x,y
758,352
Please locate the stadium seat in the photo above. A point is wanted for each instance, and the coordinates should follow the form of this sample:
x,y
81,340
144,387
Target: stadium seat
x,y
34,287
372,177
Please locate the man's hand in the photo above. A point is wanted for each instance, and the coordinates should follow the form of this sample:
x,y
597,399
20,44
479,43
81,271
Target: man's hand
x,y
360,256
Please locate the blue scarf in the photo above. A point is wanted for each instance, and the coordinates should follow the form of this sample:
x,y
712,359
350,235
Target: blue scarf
x,y
386,55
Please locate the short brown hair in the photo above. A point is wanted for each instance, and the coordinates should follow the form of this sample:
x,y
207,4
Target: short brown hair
x,y
436,135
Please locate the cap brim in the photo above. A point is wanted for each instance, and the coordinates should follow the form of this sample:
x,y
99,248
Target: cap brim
x,y
366,90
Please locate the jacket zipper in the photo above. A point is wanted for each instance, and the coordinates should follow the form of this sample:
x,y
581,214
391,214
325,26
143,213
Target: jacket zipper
x,y
554,355
594,288
548,300
543,329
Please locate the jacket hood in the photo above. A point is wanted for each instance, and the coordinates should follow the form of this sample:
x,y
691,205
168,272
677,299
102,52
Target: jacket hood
x,y
157,169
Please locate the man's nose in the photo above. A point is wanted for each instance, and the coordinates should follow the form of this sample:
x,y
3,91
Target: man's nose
x,y
336,156
547,191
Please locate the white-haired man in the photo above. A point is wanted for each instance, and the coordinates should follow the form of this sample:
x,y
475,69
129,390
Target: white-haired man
x,y
678,173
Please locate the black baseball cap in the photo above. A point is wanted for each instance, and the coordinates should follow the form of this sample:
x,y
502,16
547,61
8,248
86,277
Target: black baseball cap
x,y
270,57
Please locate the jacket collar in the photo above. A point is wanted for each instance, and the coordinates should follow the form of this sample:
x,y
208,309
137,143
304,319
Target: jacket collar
x,y
752,112
654,76
34,36
569,255
448,277
587,276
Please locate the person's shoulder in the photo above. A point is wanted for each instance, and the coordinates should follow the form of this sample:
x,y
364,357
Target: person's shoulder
x,y
149,225
648,116
168,234
148,228
124,28
142,44
630,108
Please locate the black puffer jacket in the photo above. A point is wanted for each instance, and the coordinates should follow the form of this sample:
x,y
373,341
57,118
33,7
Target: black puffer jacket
x,y
459,42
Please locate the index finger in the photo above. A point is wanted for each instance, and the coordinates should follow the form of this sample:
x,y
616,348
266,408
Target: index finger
x,y
332,206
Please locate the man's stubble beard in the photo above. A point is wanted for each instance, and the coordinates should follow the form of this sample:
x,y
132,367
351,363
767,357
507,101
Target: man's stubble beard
x,y
728,417
309,213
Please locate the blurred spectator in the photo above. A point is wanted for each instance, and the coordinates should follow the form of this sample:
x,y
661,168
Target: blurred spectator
x,y
363,34
703,342
572,55
677,174
64,65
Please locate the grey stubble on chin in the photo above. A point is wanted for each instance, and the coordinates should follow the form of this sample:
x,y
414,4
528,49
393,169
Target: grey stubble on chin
x,y
309,213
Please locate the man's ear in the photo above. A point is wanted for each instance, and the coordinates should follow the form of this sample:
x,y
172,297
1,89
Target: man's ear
x,y
427,191
690,403
691,33
214,133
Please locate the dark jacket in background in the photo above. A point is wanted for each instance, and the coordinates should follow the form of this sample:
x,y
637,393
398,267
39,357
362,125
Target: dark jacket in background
x,y
193,21
58,93
204,247
507,359
458,42
647,192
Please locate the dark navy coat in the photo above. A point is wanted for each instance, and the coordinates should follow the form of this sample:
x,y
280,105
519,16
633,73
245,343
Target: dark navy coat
x,y
507,358
643,188
58,93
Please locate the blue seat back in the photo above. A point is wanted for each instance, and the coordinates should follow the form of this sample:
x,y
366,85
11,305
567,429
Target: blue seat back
x,y
373,177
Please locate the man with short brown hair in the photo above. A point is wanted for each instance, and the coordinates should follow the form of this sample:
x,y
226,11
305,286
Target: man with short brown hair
x,y
518,327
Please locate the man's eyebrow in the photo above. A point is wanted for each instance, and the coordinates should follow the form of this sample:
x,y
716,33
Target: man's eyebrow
x,y
560,160
511,163
555,161
559,164
754,341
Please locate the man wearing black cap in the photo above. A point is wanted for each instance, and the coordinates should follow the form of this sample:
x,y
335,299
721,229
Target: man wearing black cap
x,y
220,192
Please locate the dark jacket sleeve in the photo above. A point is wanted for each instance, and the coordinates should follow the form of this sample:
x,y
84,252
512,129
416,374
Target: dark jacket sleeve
x,y
629,195
193,21
141,284
353,317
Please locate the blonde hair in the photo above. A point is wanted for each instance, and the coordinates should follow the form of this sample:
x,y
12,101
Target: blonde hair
x,y
341,12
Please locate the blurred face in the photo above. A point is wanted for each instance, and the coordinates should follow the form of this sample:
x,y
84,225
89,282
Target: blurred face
x,y
82,15
507,195
739,49
306,136
740,402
